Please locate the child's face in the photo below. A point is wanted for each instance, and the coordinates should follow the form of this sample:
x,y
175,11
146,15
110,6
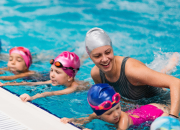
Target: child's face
x,y
58,76
112,115
16,64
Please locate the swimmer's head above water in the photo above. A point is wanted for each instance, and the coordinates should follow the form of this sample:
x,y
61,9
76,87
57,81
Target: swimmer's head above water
x,y
20,59
96,37
24,52
68,61
102,97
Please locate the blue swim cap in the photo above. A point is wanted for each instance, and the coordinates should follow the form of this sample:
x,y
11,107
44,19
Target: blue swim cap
x,y
99,93
165,123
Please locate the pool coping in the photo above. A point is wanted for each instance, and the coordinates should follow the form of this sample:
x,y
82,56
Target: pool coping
x,y
30,115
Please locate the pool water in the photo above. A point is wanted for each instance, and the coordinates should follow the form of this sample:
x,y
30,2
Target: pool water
x,y
145,30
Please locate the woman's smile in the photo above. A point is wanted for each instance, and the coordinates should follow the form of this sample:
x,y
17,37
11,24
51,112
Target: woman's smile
x,y
106,65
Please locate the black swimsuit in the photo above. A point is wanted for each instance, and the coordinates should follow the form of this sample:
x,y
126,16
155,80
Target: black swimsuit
x,y
127,90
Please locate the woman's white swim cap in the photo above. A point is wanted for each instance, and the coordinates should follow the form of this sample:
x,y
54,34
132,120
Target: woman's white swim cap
x,y
96,37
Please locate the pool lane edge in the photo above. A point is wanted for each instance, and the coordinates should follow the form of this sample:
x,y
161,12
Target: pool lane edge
x,y
29,114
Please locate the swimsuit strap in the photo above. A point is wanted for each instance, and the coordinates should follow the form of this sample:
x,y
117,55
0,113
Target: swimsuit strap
x,y
126,89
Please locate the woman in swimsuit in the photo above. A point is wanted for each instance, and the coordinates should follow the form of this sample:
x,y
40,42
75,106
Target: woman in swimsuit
x,y
130,77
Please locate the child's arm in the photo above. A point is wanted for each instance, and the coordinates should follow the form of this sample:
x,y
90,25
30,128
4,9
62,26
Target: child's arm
x,y
82,120
25,83
26,74
4,68
124,121
26,97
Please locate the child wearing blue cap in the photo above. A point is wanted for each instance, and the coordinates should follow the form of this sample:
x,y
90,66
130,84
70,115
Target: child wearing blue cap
x,y
105,103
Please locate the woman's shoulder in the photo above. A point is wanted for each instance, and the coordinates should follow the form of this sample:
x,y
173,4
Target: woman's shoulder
x,y
119,59
94,71
95,74
135,61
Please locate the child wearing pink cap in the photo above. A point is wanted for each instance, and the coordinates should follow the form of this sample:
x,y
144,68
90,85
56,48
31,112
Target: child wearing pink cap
x,y
63,70
19,62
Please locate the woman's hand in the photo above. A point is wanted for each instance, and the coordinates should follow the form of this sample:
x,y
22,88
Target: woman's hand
x,y
25,97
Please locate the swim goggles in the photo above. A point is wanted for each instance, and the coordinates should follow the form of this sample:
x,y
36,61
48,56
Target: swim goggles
x,y
107,104
59,65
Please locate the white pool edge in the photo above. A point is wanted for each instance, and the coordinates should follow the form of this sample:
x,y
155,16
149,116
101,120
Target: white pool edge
x,y
30,115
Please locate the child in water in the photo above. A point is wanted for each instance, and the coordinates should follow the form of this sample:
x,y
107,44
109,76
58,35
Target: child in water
x,y
63,70
105,103
19,62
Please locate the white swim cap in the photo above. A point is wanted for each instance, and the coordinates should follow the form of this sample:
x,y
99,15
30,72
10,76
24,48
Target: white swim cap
x,y
96,37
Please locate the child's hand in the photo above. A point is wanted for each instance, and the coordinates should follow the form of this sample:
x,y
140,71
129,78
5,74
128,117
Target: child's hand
x,y
1,72
66,120
1,84
25,97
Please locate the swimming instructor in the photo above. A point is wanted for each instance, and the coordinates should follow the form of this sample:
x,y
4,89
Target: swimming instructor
x,y
130,77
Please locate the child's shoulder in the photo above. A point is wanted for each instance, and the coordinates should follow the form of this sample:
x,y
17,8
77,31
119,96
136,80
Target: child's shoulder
x,y
124,121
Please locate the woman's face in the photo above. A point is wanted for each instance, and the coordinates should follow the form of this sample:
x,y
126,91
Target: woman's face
x,y
112,115
58,76
103,57
16,64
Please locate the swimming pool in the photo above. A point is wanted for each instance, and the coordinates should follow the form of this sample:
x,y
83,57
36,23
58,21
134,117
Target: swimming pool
x,y
144,30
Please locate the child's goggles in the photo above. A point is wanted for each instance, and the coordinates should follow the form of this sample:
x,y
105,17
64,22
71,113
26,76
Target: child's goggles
x,y
59,65
107,104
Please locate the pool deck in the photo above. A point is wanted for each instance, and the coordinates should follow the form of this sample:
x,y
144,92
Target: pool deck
x,y
28,115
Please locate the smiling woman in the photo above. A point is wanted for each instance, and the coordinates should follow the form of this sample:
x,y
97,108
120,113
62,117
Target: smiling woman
x,y
130,77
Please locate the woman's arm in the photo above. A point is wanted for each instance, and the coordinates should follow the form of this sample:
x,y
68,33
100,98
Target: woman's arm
x,y
26,97
139,74
25,83
81,121
26,74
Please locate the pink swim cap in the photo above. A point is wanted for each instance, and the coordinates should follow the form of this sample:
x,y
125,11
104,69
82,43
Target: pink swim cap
x,y
69,59
25,53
